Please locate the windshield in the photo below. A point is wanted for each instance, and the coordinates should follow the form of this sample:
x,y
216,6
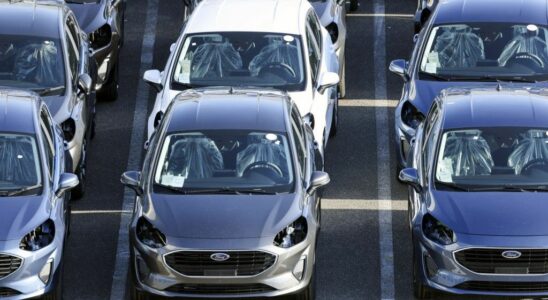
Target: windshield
x,y
240,59
487,51
31,63
494,157
225,160
20,163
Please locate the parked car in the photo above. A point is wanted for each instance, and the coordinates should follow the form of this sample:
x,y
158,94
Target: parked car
x,y
103,22
274,44
35,180
478,181
227,199
482,42
43,49
424,10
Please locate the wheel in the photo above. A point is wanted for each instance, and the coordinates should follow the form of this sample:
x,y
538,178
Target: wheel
x,y
309,293
420,291
334,120
57,292
109,90
79,191
354,5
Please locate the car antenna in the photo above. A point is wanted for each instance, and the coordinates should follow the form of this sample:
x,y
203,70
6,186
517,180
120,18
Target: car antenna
x,y
499,87
231,90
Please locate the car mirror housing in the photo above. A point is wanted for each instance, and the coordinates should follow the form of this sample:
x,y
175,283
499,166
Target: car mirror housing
x,y
67,181
410,176
131,179
85,83
154,78
399,67
318,180
327,80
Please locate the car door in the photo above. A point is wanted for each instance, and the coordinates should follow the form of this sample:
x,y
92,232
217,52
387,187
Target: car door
x,y
78,57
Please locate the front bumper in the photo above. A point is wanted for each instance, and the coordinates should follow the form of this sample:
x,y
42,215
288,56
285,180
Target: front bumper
x,y
278,278
25,280
438,268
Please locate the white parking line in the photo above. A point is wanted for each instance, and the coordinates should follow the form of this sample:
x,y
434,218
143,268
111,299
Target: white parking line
x,y
367,103
95,212
360,204
376,15
118,288
383,156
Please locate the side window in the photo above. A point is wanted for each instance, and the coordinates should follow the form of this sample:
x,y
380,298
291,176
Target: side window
x,y
316,29
72,49
298,139
313,55
47,139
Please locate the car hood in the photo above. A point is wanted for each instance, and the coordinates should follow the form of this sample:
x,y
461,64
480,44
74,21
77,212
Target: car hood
x,y
20,215
325,11
492,213
422,92
222,216
59,107
90,16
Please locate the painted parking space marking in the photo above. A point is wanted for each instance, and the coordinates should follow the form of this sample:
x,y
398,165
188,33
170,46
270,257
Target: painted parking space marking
x,y
118,288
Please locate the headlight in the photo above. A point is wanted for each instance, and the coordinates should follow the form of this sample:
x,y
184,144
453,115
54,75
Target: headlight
x,y
100,37
39,238
293,234
69,129
411,116
333,32
148,235
437,231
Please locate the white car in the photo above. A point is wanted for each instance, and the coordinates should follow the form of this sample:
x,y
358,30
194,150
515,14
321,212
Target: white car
x,y
276,44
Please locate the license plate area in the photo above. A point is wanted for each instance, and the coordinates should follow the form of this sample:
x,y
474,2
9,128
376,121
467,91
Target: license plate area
x,y
220,272
512,270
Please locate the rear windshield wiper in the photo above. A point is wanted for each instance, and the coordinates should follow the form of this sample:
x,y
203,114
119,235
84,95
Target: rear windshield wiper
x,y
48,91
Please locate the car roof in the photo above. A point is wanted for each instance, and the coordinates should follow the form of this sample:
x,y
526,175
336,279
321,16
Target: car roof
x,y
34,18
494,107
511,11
228,109
17,109
273,16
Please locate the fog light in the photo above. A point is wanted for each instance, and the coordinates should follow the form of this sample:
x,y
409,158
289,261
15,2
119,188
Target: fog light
x,y
142,269
431,267
298,270
45,273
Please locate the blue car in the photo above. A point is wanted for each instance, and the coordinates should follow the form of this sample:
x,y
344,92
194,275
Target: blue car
x,y
470,43
478,183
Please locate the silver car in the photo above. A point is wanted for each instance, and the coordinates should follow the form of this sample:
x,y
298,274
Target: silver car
x,y
227,202
43,49
34,211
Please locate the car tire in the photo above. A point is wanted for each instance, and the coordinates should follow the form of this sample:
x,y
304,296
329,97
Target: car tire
x,y
309,293
420,291
354,5
79,191
109,90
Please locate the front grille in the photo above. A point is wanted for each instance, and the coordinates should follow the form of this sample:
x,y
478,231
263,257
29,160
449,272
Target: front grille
x,y
502,286
491,261
240,263
7,292
221,289
9,264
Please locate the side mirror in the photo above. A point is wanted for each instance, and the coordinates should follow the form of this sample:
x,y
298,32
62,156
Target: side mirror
x,y
131,179
308,119
410,176
318,180
67,181
154,78
84,83
399,67
327,80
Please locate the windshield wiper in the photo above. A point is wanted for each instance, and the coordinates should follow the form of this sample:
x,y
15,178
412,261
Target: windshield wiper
x,y
235,191
434,76
48,91
452,186
22,190
180,85
511,188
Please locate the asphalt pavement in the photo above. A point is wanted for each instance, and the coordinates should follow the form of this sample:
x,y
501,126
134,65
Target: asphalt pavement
x,y
365,247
